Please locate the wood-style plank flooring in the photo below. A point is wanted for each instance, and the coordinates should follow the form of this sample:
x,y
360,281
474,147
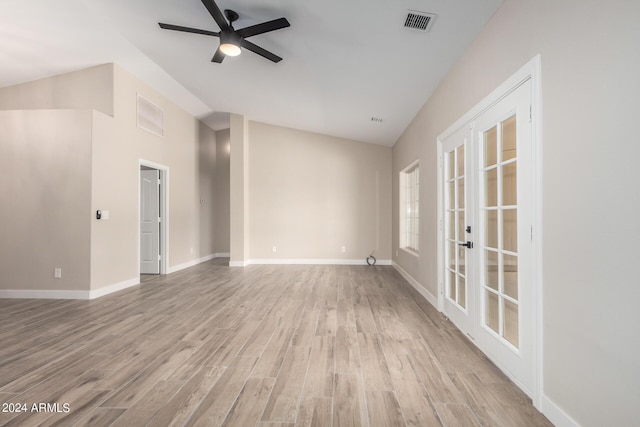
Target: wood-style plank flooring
x,y
261,346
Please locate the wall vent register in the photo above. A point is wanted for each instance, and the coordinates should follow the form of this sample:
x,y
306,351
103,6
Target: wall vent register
x,y
150,117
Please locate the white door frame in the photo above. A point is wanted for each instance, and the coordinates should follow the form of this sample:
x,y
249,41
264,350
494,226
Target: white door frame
x,y
164,212
530,71
150,221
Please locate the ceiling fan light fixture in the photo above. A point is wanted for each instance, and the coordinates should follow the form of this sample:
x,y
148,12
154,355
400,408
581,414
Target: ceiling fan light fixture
x,y
230,49
230,44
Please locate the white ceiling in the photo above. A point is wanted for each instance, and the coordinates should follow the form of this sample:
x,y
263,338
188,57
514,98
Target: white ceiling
x,y
345,61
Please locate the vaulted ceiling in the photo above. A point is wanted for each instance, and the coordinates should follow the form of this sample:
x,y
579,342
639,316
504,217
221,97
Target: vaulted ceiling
x,y
345,62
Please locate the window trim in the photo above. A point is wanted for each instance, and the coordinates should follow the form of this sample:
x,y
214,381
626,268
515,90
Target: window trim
x,y
412,248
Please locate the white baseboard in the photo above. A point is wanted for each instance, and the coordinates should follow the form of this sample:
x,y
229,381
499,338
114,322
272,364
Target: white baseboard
x,y
556,415
433,300
238,263
100,292
193,262
314,262
44,294
67,294
221,255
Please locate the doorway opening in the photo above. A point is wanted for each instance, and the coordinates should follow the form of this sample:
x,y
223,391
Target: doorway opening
x,y
153,219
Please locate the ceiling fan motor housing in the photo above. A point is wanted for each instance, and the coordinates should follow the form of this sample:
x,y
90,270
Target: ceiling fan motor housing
x,y
230,37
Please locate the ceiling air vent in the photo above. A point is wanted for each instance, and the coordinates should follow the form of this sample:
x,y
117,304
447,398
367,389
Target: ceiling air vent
x,y
419,20
150,116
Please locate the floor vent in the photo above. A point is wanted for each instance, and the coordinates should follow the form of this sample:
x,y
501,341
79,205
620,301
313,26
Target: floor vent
x,y
150,117
419,20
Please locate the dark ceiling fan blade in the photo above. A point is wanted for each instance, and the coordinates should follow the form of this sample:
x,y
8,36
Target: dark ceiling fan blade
x,y
260,51
265,27
218,56
187,29
217,15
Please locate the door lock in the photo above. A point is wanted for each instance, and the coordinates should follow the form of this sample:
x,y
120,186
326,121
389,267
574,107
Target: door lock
x,y
468,245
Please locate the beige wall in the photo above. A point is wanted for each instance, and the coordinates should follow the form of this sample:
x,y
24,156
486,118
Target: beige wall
x,y
45,191
91,88
118,146
590,87
311,194
85,160
222,215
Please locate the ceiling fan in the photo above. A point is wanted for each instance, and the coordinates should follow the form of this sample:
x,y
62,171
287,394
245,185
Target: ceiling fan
x,y
231,39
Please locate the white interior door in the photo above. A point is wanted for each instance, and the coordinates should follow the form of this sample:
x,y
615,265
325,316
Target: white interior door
x,y
149,221
459,296
487,212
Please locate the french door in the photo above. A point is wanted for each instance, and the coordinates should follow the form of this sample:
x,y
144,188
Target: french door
x,y
458,226
487,216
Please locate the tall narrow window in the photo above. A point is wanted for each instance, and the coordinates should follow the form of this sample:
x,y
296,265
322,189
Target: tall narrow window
x,y
409,207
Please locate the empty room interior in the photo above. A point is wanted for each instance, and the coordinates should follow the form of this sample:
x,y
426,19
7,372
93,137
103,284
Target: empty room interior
x,y
253,213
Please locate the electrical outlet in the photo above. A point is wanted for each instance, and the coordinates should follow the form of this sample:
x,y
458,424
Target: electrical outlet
x,y
344,249
57,273
191,251
274,249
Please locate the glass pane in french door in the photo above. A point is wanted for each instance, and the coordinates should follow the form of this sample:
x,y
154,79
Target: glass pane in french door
x,y
499,210
454,217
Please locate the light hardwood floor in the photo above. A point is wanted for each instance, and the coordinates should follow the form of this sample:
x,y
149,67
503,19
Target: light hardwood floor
x,y
261,346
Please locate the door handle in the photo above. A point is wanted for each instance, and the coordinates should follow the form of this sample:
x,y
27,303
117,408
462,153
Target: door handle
x,y
468,245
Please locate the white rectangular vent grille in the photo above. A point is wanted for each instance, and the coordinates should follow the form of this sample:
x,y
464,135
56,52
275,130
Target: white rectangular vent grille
x,y
150,117
419,20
